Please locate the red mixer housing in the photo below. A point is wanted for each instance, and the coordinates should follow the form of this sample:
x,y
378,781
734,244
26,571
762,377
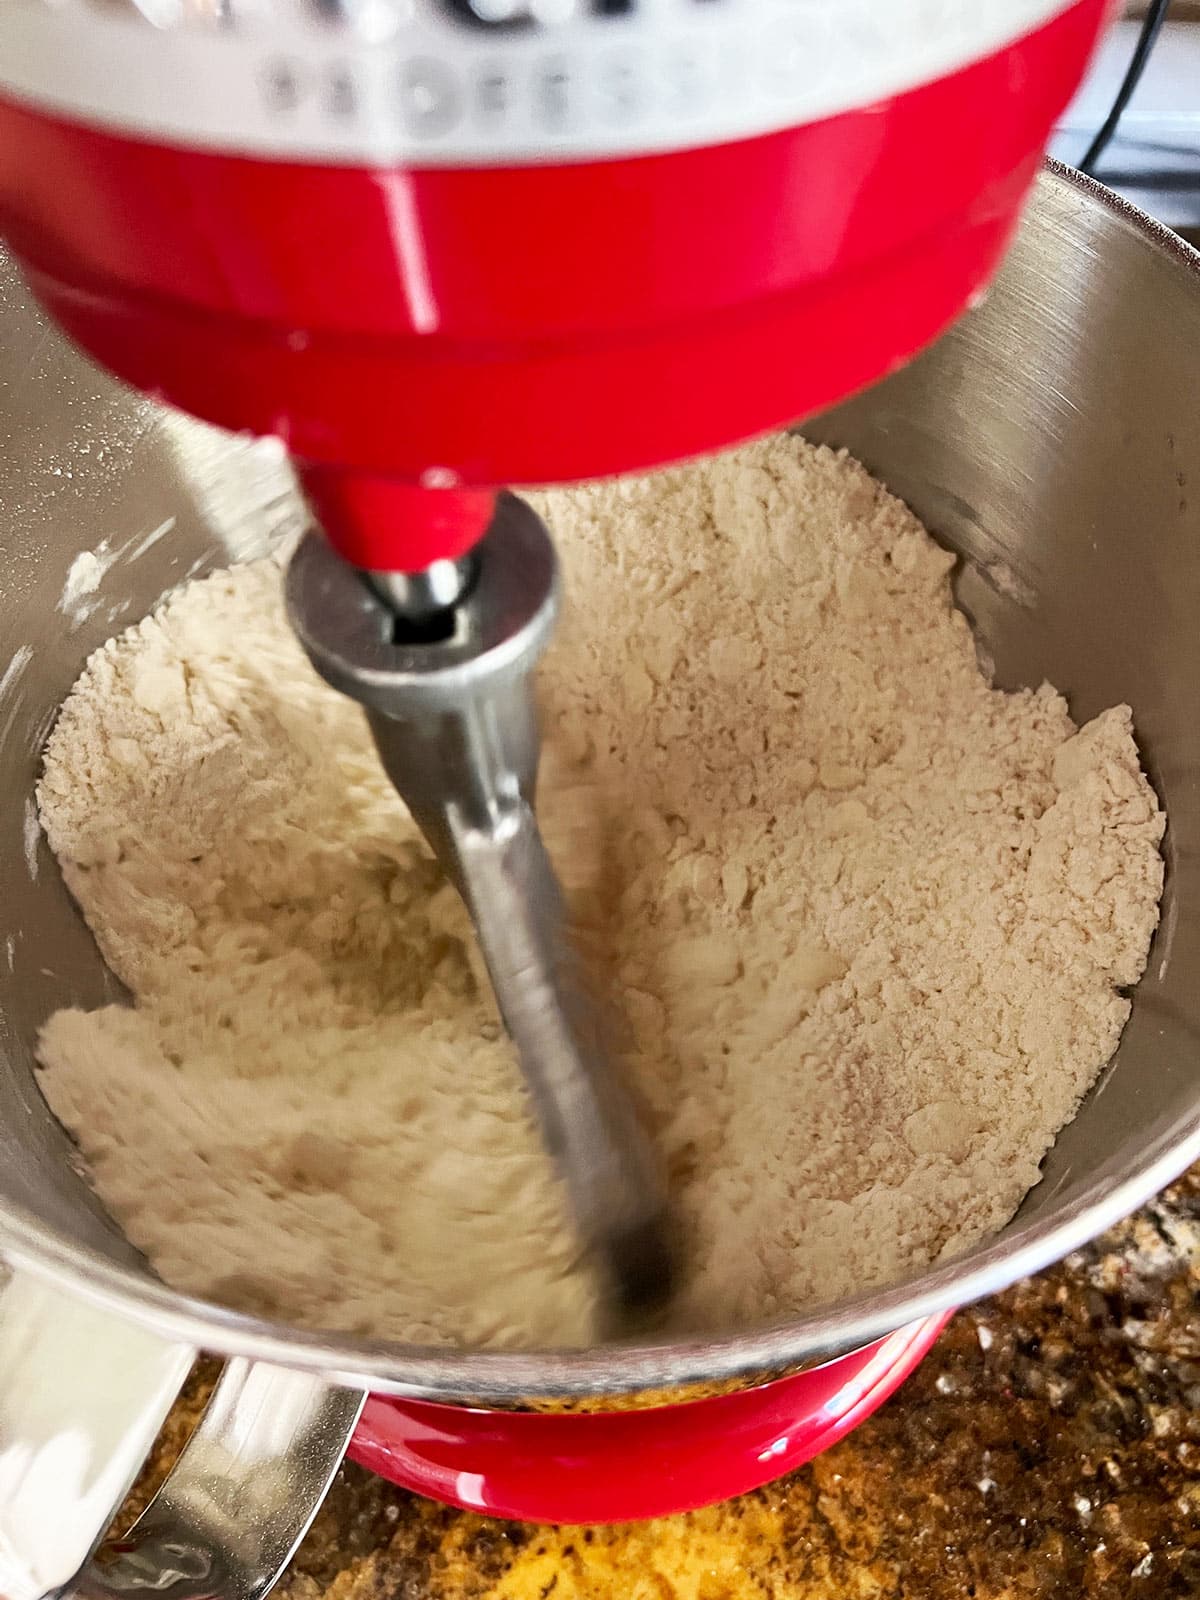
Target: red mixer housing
x,y
476,312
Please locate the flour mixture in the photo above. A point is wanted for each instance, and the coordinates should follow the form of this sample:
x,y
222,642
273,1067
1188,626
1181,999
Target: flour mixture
x,y
867,921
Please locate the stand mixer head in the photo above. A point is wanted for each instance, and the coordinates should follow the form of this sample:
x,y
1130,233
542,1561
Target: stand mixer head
x,y
448,245
466,244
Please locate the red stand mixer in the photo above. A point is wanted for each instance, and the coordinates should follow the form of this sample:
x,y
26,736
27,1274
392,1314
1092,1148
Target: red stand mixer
x,y
442,247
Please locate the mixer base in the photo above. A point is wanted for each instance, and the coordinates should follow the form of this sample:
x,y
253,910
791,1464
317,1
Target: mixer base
x,y
618,1466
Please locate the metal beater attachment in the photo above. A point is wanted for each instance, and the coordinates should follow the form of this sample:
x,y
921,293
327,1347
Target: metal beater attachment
x,y
442,663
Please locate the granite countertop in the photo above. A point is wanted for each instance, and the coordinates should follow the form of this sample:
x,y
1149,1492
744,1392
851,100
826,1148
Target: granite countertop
x,y
1048,1449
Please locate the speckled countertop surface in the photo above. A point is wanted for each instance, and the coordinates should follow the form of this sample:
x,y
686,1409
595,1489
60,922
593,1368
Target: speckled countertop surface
x,y
1049,1448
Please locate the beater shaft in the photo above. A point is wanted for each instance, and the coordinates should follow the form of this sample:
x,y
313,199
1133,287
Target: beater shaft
x,y
449,698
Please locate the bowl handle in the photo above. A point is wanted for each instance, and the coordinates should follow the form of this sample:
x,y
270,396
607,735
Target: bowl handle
x,y
83,1392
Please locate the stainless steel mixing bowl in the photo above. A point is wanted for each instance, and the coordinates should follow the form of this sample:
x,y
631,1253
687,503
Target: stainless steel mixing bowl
x,y
1053,438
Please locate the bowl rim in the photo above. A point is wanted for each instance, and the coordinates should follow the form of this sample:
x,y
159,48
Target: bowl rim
x,y
29,1244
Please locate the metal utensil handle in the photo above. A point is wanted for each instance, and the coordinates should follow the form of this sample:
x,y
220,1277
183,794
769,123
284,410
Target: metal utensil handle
x,y
83,1393
589,1122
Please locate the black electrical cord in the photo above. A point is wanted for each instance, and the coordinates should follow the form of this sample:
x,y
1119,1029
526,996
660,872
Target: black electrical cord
x,y
1151,27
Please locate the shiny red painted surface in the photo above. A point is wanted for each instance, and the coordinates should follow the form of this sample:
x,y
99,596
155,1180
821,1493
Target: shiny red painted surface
x,y
621,1466
537,323
370,516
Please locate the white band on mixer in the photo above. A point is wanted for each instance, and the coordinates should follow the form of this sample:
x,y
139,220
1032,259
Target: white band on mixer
x,y
483,81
